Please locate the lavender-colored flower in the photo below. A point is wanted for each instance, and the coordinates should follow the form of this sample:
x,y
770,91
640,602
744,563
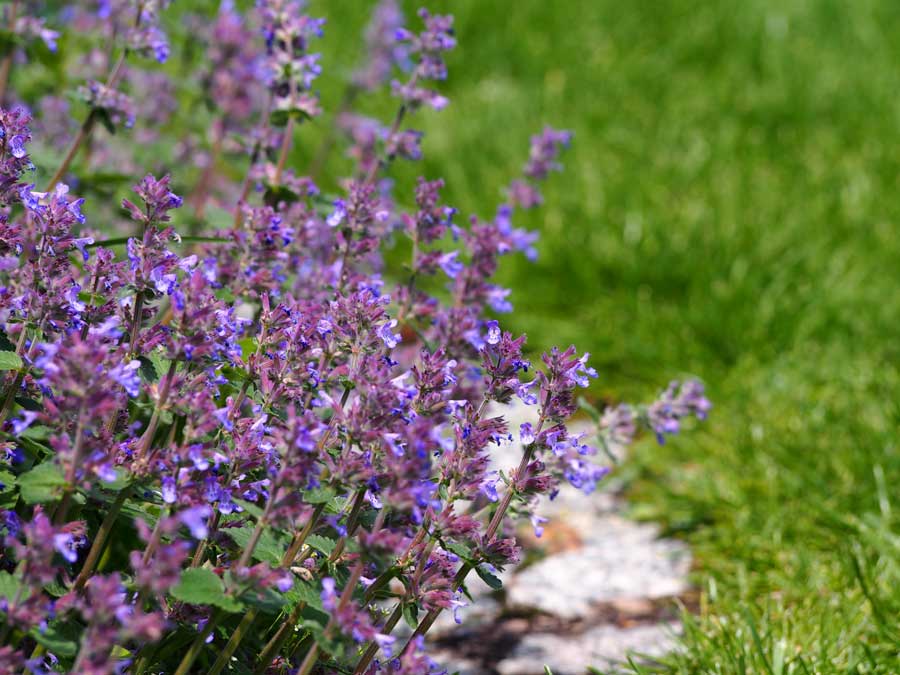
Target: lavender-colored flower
x,y
383,50
115,106
291,67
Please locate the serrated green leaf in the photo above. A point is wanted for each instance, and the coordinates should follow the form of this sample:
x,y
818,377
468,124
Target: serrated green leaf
x,y
488,577
267,600
307,593
320,543
9,586
41,484
148,369
10,361
319,495
268,548
34,449
202,586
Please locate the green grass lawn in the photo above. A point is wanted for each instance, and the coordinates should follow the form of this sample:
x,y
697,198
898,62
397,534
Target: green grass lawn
x,y
729,209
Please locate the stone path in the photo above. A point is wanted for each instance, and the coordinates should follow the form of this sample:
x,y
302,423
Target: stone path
x,y
594,588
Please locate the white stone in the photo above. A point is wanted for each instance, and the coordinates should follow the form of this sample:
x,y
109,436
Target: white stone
x,y
602,647
621,559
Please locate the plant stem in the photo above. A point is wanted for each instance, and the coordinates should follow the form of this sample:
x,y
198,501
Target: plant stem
x,y
83,133
235,640
261,523
372,650
300,539
194,650
277,640
147,437
313,654
99,542
283,152
136,321
63,508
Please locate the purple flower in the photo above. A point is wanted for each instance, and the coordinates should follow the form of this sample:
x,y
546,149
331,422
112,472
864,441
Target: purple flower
x,y
388,336
128,375
195,519
67,546
526,433
338,215
450,264
21,424
493,333
537,522
328,595
169,495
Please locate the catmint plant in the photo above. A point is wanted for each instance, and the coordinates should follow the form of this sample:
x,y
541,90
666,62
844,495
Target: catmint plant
x,y
257,444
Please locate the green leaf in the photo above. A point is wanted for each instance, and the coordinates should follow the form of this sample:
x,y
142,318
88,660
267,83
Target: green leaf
x,y
10,361
268,548
9,586
5,343
41,483
37,432
267,600
7,481
489,578
102,115
307,593
148,369
251,508
329,645
279,118
411,614
320,543
122,481
461,550
29,403
319,495
59,638
202,586
277,194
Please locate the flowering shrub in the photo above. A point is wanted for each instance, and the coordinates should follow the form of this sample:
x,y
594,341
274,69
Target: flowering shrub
x,y
259,448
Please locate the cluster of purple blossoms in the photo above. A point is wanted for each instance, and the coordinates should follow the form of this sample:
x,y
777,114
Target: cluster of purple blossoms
x,y
263,443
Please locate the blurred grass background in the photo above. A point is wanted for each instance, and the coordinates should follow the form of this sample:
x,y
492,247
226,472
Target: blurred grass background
x,y
728,210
